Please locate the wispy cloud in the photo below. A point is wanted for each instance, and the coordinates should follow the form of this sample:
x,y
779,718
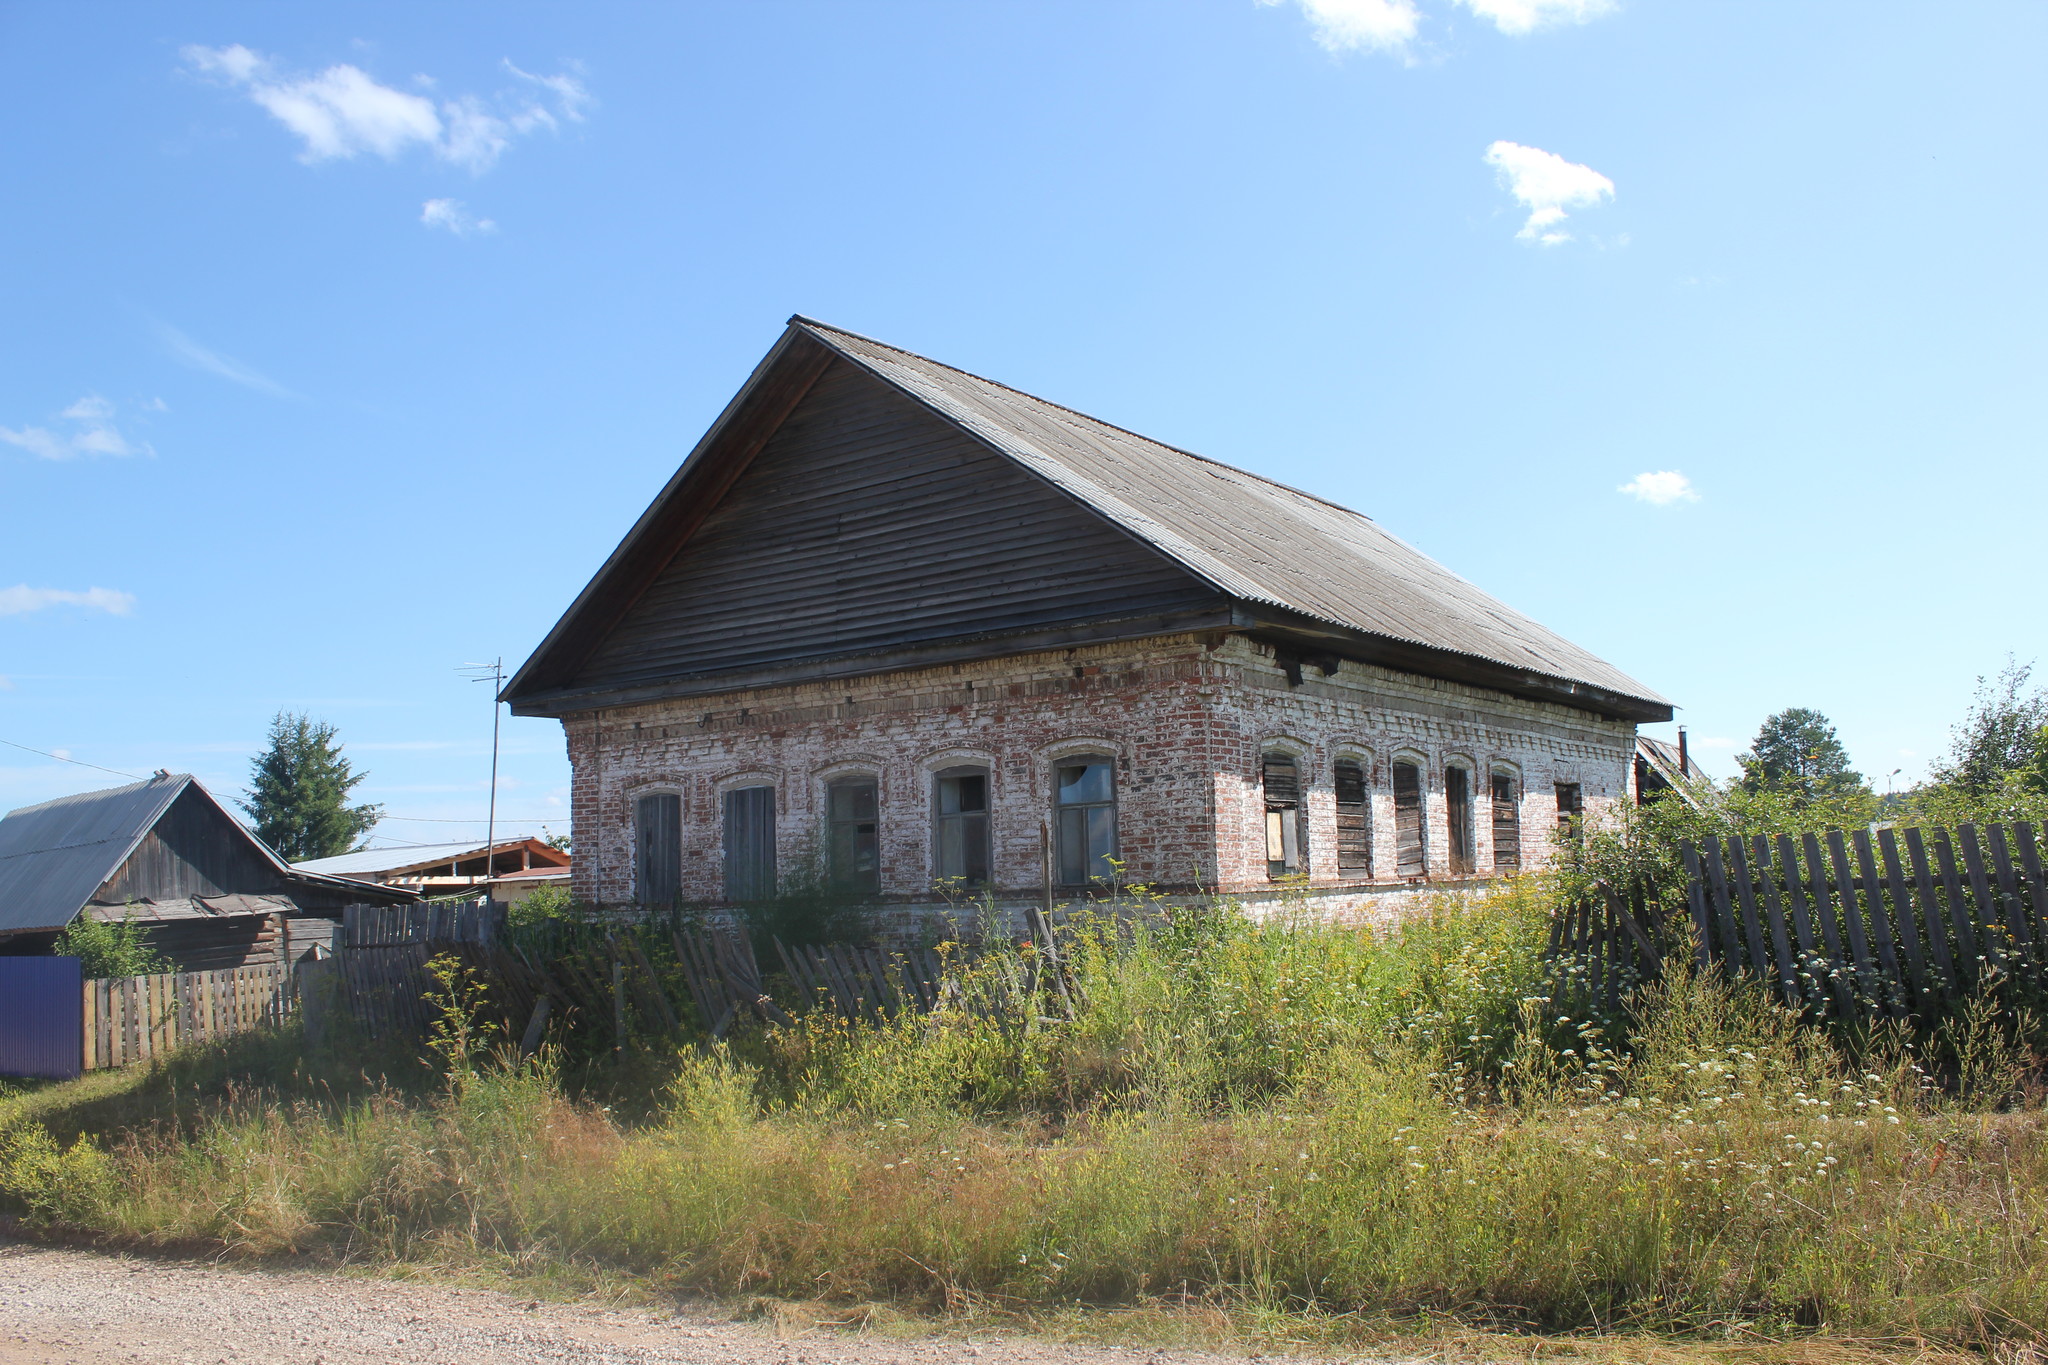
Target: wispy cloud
x,y
22,599
343,111
190,352
452,215
1660,489
85,428
1547,185
1517,17
1388,26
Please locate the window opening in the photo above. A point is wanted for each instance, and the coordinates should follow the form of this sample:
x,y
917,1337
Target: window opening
x,y
1507,823
1458,805
1085,806
658,848
1354,821
853,842
1286,840
749,843
1408,845
1570,806
962,811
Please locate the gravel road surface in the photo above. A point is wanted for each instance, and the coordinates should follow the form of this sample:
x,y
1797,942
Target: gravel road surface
x,y
83,1308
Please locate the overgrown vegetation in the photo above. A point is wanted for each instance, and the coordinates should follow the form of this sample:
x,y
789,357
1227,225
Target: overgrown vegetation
x,y
1259,1117
109,948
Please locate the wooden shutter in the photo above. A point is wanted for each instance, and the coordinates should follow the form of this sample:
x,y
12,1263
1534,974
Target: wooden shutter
x,y
1458,806
750,843
657,848
1408,852
1354,821
1282,780
1507,823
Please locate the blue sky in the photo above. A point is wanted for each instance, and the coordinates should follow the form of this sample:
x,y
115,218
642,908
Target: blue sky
x,y
344,341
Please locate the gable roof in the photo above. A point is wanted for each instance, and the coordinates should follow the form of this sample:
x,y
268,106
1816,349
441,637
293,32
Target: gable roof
x,y
55,855
1294,561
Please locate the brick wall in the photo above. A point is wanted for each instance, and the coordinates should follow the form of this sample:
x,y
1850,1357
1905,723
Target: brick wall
x,y
1186,718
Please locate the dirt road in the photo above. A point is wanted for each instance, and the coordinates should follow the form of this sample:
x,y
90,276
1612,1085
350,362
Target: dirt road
x,y
82,1308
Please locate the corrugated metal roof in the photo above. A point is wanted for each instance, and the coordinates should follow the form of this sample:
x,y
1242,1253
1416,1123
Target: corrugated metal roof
x,y
1255,539
55,855
380,860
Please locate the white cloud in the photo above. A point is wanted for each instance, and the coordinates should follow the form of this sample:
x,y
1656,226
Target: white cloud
x,y
343,111
450,214
1517,17
1547,185
88,429
1361,25
190,352
1660,489
21,599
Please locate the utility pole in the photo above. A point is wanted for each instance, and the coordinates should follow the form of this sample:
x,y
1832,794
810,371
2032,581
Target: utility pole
x,y
495,676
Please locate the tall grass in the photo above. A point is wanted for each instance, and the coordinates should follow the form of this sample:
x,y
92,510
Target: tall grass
x,y
1256,1116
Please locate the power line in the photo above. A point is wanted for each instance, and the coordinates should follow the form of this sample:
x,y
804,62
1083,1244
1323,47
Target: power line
x,y
79,761
445,820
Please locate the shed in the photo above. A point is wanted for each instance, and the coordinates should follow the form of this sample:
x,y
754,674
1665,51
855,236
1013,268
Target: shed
x,y
443,869
167,853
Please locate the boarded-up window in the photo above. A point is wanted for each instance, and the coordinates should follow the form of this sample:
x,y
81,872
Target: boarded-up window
x,y
1570,806
1354,820
1507,823
1458,807
1408,849
750,843
1286,840
851,838
961,803
658,848
1084,804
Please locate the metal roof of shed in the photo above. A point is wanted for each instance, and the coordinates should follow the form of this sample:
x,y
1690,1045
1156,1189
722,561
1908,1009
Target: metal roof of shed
x,y
404,858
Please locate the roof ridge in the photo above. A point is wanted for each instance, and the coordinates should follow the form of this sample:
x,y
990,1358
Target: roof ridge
x,y
814,323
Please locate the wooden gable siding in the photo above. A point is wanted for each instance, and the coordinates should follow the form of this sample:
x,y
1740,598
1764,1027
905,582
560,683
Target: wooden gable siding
x,y
865,524
192,850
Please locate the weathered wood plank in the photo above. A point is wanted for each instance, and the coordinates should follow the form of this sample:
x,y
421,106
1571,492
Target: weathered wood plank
x,y
1895,983
1933,920
1970,953
1839,973
2012,910
2037,882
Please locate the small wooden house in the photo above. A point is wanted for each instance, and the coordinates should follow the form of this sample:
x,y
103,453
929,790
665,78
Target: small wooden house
x,y
209,894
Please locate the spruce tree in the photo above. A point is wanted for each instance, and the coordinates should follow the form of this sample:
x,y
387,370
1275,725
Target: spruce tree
x,y
298,792
1796,751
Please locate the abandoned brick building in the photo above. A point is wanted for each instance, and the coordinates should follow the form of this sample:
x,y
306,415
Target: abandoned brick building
x,y
899,625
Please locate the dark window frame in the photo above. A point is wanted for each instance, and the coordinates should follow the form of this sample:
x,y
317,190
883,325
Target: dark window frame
x,y
853,837
1571,808
971,831
1351,776
750,862
1411,816
1286,813
657,835
1461,826
1079,826
1504,793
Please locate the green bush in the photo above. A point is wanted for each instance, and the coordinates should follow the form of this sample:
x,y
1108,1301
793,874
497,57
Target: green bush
x,y
110,948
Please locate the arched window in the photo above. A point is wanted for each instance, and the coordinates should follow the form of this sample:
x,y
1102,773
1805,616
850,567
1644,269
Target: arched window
x,y
960,814
852,842
749,843
1458,809
1409,848
1286,834
658,848
1084,805
1354,820
1507,822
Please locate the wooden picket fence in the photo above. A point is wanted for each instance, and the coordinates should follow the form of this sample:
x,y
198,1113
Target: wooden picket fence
x,y
131,1019
1844,924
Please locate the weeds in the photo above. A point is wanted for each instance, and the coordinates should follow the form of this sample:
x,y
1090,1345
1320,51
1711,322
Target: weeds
x,y
1264,1119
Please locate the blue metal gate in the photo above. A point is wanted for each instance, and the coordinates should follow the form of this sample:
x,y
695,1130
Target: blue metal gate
x,y
42,1019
